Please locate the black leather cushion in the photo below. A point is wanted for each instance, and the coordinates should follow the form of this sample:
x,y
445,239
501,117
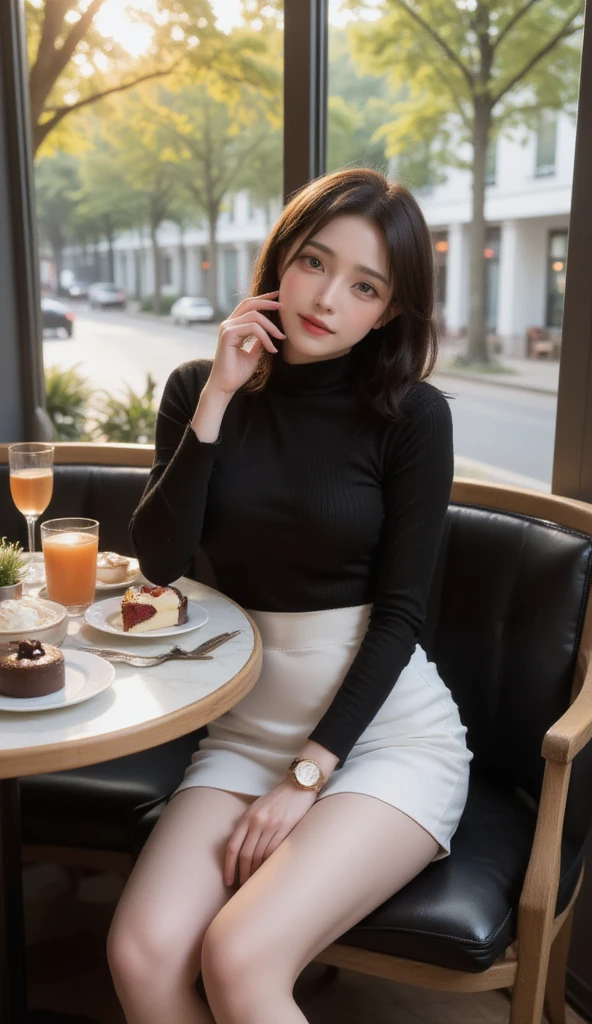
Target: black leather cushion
x,y
461,912
98,807
107,493
505,616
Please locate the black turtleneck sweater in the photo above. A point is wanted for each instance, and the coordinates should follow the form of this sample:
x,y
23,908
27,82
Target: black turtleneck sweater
x,y
305,502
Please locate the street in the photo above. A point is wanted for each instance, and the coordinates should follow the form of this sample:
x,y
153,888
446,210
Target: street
x,y
506,428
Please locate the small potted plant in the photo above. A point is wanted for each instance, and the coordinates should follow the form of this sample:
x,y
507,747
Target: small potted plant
x,y
12,570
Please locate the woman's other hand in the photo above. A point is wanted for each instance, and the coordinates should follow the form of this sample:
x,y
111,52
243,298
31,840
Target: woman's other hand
x,y
234,365
263,827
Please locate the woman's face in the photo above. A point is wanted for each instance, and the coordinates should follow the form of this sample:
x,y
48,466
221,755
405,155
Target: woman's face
x,y
335,291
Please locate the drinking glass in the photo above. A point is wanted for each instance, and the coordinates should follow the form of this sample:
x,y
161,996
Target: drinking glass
x,y
70,548
31,481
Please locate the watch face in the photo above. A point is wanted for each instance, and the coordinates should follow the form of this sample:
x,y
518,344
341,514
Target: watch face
x,y
307,773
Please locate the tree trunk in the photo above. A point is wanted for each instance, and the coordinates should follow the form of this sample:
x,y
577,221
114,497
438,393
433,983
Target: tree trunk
x,y
213,214
477,350
157,266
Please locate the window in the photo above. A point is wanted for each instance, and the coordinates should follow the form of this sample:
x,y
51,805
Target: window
x,y
398,103
546,143
557,269
156,197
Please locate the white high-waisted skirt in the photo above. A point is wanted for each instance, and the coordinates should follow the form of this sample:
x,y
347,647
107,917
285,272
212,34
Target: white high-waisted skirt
x,y
413,755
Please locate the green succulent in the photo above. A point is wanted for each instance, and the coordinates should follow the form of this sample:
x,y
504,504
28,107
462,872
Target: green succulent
x,y
12,564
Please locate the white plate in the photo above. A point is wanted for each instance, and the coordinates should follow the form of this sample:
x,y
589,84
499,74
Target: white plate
x,y
86,675
131,576
106,615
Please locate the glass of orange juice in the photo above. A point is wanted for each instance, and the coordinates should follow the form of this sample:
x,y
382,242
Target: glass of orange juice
x,y
31,481
70,548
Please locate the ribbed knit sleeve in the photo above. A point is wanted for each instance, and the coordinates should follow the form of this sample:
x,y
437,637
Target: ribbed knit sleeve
x,y
167,525
417,482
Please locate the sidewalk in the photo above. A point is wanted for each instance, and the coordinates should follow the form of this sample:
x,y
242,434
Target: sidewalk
x,y
537,375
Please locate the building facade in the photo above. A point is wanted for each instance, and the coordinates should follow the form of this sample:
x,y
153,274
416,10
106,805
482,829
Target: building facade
x,y
528,199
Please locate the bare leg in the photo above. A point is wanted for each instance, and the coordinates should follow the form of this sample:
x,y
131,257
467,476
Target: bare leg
x,y
345,858
174,892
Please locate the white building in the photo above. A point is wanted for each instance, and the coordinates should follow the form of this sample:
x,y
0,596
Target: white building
x,y
527,209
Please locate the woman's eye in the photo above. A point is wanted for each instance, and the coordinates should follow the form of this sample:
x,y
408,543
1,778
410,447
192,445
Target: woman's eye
x,y
313,262
367,289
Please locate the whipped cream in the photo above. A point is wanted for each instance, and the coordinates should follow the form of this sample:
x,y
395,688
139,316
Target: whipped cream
x,y
26,613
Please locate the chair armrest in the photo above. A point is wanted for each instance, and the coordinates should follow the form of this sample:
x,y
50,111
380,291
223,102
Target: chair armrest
x,y
571,732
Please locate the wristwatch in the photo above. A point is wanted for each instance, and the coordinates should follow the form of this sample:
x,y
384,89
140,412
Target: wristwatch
x,y
307,774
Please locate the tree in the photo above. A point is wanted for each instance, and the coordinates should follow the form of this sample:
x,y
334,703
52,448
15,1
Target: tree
x,y
72,64
358,105
135,138
471,72
57,184
107,201
212,137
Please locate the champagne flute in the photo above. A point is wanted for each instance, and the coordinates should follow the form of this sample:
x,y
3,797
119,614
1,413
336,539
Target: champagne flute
x,y
31,482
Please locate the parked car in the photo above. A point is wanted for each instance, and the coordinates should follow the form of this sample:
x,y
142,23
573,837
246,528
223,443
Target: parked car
x,y
77,289
191,310
56,316
103,294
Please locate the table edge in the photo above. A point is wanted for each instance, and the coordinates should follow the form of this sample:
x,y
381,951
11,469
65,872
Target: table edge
x,y
54,757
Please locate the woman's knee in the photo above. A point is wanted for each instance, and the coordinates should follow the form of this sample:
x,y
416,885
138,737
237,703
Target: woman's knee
x,y
142,953
236,961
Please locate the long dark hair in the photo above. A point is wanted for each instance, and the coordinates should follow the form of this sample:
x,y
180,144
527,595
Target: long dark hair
x,y
390,359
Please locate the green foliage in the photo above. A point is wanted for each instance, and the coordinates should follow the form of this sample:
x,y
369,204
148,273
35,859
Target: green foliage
x,y
67,396
56,186
131,420
465,73
12,565
74,64
166,302
359,103
450,61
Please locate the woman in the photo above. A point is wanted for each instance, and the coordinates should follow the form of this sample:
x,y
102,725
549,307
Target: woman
x,y
313,463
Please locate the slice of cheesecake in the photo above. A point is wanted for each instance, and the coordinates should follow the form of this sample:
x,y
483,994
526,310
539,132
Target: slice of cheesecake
x,y
146,608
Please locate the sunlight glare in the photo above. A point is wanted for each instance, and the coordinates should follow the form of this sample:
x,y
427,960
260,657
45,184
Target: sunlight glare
x,y
114,21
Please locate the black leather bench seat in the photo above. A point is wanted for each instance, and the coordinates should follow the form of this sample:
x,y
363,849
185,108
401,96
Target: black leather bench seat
x,y
461,912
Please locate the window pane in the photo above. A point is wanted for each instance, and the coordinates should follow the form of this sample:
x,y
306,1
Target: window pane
x,y
400,102
161,191
546,142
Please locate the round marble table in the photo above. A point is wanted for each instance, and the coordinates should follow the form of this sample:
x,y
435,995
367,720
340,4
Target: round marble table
x,y
141,709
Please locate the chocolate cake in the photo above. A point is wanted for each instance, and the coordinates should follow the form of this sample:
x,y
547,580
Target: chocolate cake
x,y
146,608
31,669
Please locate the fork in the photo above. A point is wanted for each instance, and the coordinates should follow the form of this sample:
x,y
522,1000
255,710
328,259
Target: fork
x,y
175,653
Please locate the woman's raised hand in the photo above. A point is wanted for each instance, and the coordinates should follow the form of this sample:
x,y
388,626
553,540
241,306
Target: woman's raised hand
x,y
233,364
